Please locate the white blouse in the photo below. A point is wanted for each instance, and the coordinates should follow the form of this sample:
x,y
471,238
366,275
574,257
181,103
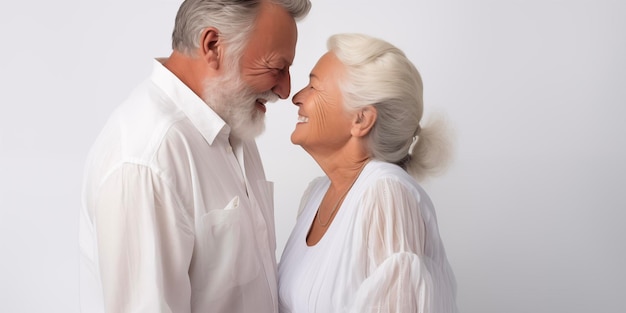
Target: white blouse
x,y
382,252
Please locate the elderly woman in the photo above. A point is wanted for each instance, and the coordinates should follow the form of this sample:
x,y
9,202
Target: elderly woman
x,y
366,238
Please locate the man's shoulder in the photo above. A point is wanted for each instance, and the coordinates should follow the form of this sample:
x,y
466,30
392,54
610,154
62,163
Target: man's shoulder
x,y
139,124
147,102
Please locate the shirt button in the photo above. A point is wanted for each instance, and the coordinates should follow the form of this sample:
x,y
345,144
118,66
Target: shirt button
x,y
229,149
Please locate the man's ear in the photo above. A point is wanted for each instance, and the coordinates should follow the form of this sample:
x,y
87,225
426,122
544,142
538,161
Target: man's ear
x,y
211,47
364,121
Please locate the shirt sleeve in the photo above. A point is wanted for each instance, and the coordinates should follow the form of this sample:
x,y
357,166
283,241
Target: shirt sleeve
x,y
397,278
145,243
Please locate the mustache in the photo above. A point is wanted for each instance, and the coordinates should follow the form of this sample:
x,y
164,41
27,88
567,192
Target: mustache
x,y
269,96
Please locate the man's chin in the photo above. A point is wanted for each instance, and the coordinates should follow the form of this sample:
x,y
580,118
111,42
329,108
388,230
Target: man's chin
x,y
249,130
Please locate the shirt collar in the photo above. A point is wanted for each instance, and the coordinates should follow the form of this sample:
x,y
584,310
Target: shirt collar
x,y
208,123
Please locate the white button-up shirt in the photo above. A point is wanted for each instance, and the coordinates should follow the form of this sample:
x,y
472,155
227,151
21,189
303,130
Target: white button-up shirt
x,y
176,217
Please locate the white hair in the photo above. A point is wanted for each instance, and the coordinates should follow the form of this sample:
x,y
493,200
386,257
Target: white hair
x,y
379,74
233,18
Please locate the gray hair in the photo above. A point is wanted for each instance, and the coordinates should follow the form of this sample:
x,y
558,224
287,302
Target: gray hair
x,y
233,18
379,74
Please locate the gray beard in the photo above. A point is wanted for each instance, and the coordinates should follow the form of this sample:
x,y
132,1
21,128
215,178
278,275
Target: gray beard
x,y
233,101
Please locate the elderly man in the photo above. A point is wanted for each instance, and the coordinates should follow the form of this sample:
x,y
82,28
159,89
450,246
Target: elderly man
x,y
177,214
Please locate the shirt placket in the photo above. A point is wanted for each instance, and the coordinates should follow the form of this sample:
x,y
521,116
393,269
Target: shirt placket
x,y
258,220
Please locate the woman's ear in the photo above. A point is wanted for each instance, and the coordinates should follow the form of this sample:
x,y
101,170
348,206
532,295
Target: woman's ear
x,y
211,47
364,121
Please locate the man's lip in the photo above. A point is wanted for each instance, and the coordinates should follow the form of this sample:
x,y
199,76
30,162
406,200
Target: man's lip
x,y
260,105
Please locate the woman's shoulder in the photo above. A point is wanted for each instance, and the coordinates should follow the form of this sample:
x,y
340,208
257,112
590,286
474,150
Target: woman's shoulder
x,y
379,172
318,182
383,179
316,185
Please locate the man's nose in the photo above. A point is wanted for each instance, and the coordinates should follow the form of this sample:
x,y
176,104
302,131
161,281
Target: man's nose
x,y
283,86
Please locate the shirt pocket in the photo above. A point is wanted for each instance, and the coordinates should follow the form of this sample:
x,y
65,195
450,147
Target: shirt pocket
x,y
229,246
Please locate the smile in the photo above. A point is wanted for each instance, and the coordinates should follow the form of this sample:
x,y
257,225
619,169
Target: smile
x,y
303,119
260,104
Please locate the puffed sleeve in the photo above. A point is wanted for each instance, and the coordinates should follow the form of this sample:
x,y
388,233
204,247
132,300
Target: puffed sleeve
x,y
400,284
393,234
145,243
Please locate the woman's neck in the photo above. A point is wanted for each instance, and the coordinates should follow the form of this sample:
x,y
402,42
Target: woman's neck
x,y
342,171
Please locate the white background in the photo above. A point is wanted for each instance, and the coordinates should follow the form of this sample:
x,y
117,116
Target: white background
x,y
531,211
